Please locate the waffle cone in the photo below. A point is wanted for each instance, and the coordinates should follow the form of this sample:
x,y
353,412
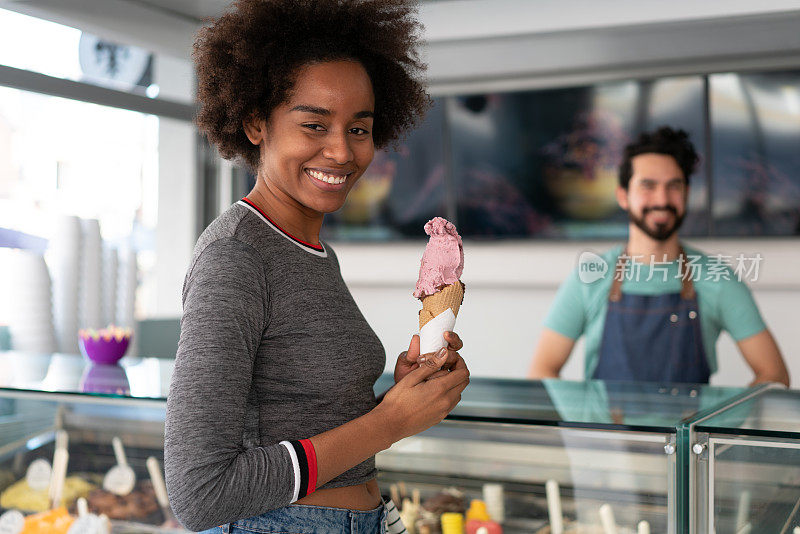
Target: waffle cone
x,y
450,296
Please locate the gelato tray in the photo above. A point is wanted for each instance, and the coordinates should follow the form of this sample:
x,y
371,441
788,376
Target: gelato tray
x,y
29,478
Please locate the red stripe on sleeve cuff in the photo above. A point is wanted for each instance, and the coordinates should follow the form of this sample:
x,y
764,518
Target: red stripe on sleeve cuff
x,y
311,455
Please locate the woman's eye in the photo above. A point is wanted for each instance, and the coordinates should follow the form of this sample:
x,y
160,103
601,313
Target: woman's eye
x,y
314,127
358,131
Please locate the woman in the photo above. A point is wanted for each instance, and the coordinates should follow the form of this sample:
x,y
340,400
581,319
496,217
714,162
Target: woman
x,y
272,424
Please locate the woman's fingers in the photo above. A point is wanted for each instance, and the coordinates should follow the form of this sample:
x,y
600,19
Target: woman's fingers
x,y
455,378
453,341
431,365
428,393
436,360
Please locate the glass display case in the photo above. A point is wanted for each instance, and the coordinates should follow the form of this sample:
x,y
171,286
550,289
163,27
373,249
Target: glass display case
x,y
600,450
746,464
608,449
48,399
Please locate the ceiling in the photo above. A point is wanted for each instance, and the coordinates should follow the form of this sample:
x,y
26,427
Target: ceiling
x,y
167,26
192,10
507,41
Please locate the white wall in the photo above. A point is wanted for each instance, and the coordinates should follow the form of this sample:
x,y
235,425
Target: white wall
x,y
510,286
177,190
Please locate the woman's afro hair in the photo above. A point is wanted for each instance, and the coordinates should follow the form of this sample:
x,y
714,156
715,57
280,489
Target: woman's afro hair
x,y
248,58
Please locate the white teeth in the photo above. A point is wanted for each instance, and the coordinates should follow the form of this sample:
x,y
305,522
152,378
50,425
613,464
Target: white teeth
x,y
327,178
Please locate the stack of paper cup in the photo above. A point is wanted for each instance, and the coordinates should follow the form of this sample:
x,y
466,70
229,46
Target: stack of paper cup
x,y
110,274
128,276
91,283
63,258
29,295
126,288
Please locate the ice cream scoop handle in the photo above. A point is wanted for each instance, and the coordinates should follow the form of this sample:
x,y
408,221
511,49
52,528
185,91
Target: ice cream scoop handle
x,y
62,439
83,507
60,461
607,519
119,451
157,478
554,507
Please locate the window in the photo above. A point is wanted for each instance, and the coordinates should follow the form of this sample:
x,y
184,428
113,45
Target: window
x,y
64,156
45,47
756,134
544,163
68,154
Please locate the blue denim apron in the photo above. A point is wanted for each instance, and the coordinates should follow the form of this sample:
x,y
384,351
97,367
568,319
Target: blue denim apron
x,y
653,338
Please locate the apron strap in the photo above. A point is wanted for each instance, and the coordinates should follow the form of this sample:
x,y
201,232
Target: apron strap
x,y
684,270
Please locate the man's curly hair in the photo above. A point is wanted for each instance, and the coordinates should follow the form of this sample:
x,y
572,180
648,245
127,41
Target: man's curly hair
x,y
248,58
665,141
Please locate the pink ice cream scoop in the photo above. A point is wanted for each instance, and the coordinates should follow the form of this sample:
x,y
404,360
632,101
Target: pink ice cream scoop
x,y
443,260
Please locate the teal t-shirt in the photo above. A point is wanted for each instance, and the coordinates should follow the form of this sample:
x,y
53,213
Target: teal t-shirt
x,y
724,301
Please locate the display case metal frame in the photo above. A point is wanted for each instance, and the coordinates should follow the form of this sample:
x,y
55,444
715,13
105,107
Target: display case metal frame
x,y
702,446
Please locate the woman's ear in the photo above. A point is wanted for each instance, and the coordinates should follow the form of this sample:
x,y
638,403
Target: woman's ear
x,y
254,129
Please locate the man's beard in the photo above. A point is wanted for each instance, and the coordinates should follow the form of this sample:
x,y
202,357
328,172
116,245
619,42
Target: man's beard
x,y
661,232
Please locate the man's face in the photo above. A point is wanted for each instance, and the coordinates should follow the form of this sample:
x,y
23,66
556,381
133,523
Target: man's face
x,y
656,196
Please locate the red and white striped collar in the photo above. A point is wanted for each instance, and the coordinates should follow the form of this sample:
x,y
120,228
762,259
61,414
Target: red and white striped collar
x,y
308,247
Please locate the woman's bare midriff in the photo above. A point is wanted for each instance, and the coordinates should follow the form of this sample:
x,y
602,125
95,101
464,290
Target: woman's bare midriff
x,y
364,496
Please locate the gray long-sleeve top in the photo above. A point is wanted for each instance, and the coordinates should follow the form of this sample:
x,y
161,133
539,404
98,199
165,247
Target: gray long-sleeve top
x,y
273,350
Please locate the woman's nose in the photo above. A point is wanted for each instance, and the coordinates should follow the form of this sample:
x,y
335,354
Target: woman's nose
x,y
337,149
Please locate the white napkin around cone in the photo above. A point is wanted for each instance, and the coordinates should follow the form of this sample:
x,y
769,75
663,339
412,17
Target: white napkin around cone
x,y
431,336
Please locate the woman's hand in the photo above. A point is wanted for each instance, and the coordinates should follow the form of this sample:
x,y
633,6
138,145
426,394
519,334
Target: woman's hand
x,y
425,395
411,359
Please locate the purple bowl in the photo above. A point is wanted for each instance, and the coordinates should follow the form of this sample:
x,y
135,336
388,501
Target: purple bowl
x,y
103,351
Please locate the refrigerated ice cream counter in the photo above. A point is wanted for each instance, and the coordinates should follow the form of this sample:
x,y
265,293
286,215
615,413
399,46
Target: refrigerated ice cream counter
x,y
545,456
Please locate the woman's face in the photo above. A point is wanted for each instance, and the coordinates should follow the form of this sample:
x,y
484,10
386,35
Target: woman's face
x,y
315,146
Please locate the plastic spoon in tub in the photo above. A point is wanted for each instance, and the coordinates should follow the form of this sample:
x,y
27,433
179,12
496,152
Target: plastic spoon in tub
x,y
39,475
89,523
607,519
62,442
554,507
83,507
60,461
120,479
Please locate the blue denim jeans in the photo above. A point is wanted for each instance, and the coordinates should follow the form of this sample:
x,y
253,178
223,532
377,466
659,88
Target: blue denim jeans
x,y
305,519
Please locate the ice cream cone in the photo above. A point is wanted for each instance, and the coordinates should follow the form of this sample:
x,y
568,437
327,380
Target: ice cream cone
x,y
450,296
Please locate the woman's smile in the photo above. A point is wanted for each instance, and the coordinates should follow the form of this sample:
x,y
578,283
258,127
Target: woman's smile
x,y
328,180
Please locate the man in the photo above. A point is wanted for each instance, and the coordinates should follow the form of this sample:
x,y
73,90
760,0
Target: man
x,y
652,310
